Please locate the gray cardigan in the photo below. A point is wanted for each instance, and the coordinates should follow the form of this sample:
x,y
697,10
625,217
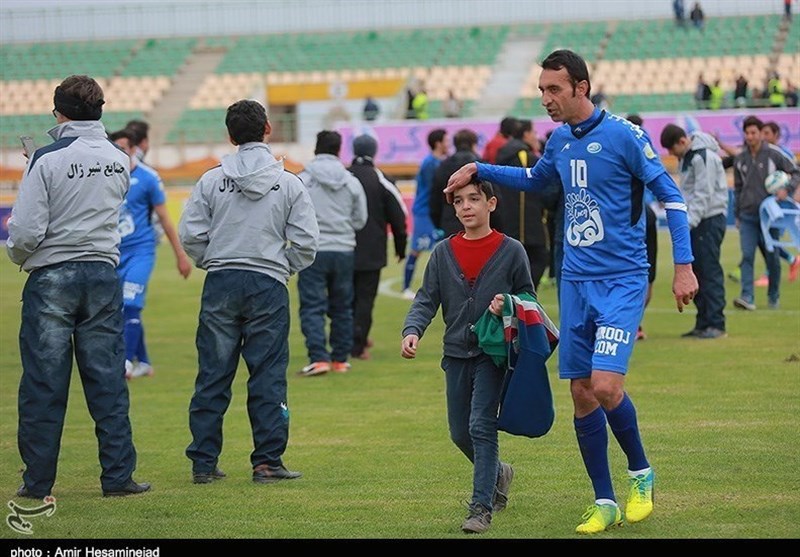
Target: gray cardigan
x,y
444,284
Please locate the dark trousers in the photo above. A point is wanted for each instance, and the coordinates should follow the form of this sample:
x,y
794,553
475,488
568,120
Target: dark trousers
x,y
539,258
706,240
365,288
326,288
242,313
71,309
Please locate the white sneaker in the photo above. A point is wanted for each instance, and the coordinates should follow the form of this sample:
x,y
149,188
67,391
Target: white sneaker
x,y
141,369
408,294
128,369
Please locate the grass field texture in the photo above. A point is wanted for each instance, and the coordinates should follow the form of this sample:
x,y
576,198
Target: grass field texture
x,y
719,419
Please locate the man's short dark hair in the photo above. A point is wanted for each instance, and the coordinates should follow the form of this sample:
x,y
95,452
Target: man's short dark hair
x,y
465,140
523,126
752,121
139,129
635,119
124,133
671,135
776,129
507,126
436,136
328,143
246,121
574,64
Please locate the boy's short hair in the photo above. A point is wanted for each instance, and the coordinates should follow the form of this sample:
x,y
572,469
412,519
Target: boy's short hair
x,y
124,133
752,121
671,135
776,129
483,186
246,121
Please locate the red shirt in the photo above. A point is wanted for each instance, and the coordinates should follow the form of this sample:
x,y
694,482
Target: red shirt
x,y
472,255
490,151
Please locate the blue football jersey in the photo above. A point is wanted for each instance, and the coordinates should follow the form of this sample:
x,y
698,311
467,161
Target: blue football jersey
x,y
427,169
603,165
135,221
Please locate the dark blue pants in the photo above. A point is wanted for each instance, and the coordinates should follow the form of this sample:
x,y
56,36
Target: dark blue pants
x,y
326,288
706,240
242,313
68,309
473,399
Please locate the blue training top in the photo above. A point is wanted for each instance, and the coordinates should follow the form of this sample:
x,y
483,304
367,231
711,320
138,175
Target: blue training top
x,y
603,164
135,221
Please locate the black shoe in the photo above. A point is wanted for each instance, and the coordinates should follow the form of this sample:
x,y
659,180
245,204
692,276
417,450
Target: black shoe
x,y
692,333
266,474
208,477
24,492
130,488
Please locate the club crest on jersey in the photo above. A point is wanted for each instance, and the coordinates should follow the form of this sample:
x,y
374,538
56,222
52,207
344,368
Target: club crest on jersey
x,y
594,147
585,223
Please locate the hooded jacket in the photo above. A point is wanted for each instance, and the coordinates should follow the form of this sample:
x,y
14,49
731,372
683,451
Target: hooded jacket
x,y
339,201
703,180
68,204
250,214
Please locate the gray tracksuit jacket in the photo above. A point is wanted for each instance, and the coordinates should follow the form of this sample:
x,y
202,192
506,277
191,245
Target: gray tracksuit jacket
x,y
67,208
250,214
703,181
339,201
444,284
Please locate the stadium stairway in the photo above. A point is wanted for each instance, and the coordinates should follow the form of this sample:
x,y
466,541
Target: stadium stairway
x,y
509,72
203,61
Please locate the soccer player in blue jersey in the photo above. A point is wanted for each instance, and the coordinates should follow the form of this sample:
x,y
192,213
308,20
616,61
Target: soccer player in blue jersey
x,y
138,251
604,162
425,234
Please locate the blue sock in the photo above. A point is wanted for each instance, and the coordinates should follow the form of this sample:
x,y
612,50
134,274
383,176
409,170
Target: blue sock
x,y
141,350
593,443
622,420
133,332
411,262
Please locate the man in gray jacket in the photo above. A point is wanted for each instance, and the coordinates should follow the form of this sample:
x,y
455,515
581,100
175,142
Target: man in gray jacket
x,y
251,225
705,189
326,287
63,231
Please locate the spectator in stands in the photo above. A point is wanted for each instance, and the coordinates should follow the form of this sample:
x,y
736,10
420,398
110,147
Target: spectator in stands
x,y
650,237
526,224
452,105
425,234
420,104
705,189
385,208
697,16
740,91
787,11
137,249
791,94
371,109
326,286
63,233
702,92
600,99
775,90
410,113
500,138
717,96
680,13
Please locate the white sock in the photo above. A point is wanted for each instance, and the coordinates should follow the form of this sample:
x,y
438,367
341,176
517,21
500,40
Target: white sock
x,y
605,502
634,473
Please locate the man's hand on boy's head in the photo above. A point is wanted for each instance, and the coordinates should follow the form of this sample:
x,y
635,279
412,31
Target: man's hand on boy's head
x,y
459,179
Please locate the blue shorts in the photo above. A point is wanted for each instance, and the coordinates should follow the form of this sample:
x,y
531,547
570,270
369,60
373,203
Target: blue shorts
x,y
425,235
134,270
599,320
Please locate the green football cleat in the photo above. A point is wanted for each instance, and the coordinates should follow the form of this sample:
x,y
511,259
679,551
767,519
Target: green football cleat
x,y
640,497
599,518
